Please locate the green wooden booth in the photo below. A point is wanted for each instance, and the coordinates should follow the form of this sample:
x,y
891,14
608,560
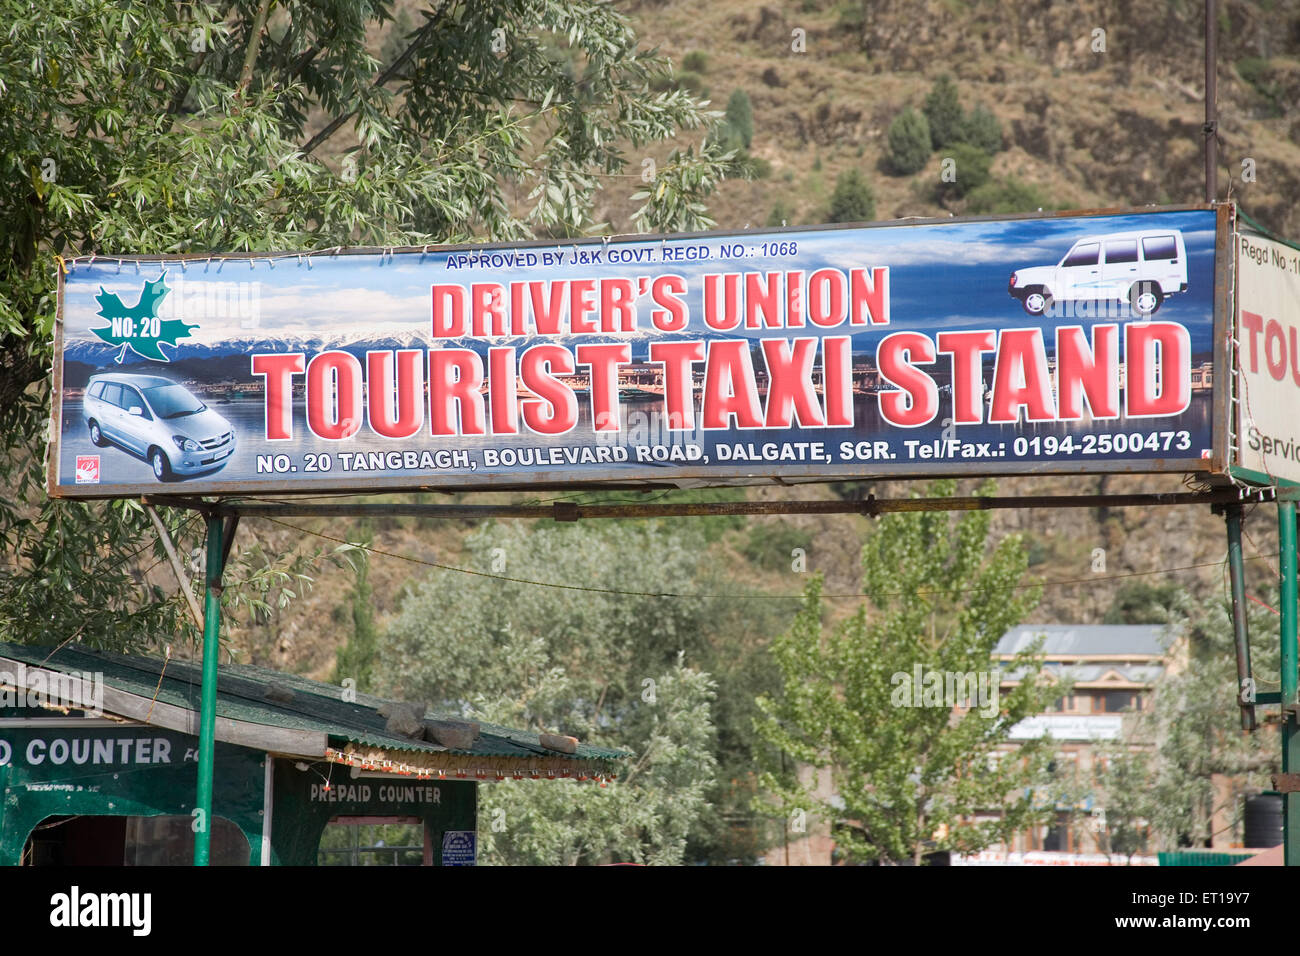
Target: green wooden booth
x,y
99,763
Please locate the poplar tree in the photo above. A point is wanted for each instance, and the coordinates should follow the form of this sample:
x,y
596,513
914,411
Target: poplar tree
x,y
909,780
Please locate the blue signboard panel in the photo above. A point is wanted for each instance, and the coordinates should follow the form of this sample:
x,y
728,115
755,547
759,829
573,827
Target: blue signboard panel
x,y
1072,343
459,848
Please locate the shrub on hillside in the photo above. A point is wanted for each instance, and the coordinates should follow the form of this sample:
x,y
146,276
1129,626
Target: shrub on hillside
x,y
982,130
697,61
757,167
729,139
968,171
909,142
740,116
1007,196
687,80
853,199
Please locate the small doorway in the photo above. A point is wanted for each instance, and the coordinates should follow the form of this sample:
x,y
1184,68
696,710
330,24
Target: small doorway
x,y
130,841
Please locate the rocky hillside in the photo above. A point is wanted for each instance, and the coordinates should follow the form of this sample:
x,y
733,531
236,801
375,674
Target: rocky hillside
x,y
1101,103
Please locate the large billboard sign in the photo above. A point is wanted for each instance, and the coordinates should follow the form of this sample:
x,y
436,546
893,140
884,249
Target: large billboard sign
x,y
1059,344
1268,359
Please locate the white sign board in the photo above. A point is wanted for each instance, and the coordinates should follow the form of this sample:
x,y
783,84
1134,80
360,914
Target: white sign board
x,y
1066,727
1049,858
1268,358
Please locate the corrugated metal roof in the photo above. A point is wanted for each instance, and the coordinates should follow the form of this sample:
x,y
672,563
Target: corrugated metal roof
x,y
1093,673
1115,640
314,706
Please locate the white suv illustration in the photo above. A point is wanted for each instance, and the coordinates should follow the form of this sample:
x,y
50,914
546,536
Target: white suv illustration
x,y
1141,267
158,420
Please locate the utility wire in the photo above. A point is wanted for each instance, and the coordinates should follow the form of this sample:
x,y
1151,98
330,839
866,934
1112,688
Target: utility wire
x,y
1063,582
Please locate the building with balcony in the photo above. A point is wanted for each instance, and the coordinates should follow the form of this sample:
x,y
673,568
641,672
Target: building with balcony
x,y
1110,672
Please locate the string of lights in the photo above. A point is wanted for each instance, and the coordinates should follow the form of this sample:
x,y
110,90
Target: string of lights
x,y
374,764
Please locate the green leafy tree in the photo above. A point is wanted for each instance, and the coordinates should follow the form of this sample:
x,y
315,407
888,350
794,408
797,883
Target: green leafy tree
x,y
943,111
604,667
1184,764
645,816
1141,602
1125,794
199,127
909,142
1196,724
853,199
907,779
728,638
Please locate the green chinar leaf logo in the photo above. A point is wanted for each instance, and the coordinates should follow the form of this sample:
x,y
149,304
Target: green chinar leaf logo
x,y
138,327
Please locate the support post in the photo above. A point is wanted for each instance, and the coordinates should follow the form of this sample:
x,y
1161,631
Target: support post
x,y
208,707
1211,127
1286,527
1240,627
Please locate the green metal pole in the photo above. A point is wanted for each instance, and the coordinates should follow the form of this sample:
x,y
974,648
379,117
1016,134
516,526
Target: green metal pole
x,y
208,707
1240,630
1286,527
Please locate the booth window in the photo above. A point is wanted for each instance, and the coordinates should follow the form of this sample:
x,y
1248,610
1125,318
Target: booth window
x,y
366,841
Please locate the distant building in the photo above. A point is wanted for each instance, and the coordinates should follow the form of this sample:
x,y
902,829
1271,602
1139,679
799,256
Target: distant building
x,y
1112,670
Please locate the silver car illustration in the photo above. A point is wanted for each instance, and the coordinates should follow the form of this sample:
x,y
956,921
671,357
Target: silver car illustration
x,y
160,421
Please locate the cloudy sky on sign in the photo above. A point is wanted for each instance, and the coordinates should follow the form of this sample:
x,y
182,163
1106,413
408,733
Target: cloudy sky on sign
x,y
942,275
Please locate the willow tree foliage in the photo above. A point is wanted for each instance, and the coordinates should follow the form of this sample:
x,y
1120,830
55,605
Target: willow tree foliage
x,y
249,125
600,658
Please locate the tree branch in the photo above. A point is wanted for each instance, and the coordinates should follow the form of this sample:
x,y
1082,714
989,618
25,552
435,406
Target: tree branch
x,y
254,42
178,101
380,80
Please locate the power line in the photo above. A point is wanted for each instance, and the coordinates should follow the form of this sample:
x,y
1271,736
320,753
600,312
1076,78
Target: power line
x,y
1062,582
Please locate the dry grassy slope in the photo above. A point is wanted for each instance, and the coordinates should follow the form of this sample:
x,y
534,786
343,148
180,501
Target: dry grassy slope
x,y
1091,129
